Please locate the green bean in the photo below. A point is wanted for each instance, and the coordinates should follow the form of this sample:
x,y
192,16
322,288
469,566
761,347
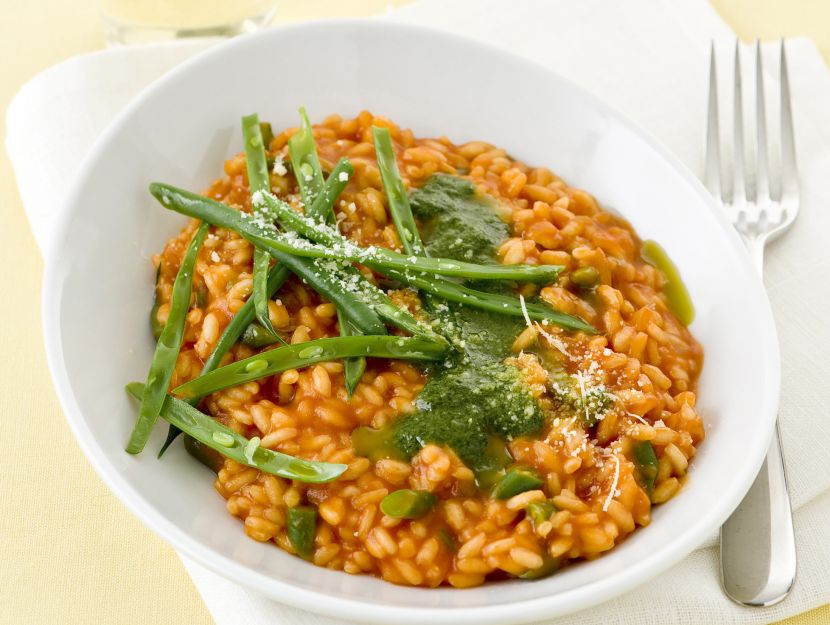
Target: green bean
x,y
517,480
585,277
325,242
540,511
267,134
549,566
167,348
322,276
301,526
407,504
240,322
349,291
448,539
257,336
502,304
242,319
211,458
156,326
232,445
308,353
258,180
303,153
396,194
647,464
323,207
304,160
353,368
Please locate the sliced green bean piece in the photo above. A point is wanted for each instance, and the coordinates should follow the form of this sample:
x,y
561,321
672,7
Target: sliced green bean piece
x,y
549,567
540,511
258,180
211,458
360,301
301,527
309,353
517,480
407,503
646,462
448,539
167,348
375,444
585,277
213,434
257,336
396,193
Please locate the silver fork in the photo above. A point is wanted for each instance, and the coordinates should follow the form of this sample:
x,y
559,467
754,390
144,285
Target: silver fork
x,y
757,543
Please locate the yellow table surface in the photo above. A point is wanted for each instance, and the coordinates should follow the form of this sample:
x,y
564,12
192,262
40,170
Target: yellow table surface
x,y
69,551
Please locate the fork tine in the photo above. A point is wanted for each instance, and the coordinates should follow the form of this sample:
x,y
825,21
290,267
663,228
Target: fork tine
x,y
738,180
762,166
712,173
789,171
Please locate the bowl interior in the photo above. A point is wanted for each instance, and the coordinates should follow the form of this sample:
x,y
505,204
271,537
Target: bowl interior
x,y
98,287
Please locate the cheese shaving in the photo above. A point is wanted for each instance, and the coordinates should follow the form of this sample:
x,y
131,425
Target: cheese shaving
x,y
524,311
613,492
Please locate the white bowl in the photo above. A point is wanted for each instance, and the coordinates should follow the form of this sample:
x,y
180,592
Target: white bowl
x,y
98,289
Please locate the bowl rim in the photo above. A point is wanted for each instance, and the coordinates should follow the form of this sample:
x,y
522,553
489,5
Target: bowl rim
x,y
568,601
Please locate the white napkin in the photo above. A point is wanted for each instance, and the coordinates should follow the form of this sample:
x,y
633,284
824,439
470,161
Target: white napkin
x,y
647,58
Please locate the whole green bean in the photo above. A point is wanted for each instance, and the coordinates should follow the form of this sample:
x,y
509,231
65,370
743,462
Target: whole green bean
x,y
304,354
322,241
303,152
502,304
353,368
323,207
305,162
155,325
396,194
258,180
167,348
400,209
232,445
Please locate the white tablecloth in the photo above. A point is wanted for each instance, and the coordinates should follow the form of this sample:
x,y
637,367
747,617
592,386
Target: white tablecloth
x,y
649,59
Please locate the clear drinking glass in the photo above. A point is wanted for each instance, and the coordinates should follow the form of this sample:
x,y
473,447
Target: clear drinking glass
x,y
144,21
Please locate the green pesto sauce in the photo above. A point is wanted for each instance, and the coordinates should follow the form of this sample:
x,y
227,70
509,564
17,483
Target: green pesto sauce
x,y
679,302
474,395
456,222
473,401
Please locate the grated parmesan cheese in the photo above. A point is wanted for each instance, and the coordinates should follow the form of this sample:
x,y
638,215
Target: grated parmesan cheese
x,y
613,492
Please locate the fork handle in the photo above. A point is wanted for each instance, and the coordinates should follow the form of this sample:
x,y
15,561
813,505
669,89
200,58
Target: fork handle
x,y
757,543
